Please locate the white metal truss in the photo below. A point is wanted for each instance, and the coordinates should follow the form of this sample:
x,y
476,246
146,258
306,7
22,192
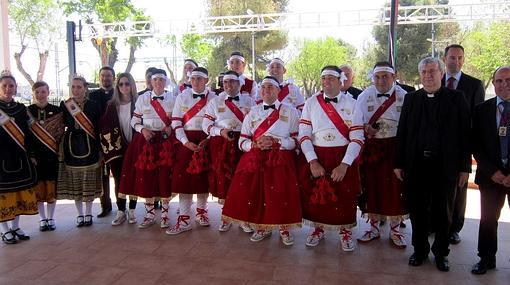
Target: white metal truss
x,y
284,21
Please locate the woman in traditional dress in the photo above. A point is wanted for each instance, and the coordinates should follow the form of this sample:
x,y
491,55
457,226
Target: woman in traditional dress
x,y
47,127
79,176
115,135
17,174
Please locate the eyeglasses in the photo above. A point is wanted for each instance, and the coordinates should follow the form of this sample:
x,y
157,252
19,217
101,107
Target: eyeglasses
x,y
124,84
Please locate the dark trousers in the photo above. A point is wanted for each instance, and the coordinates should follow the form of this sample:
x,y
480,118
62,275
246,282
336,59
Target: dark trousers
x,y
492,200
106,201
116,167
430,196
459,209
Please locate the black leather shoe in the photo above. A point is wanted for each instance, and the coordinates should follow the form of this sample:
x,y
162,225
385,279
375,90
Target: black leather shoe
x,y
416,260
51,225
20,235
482,266
442,263
43,226
105,212
9,238
454,238
87,221
79,221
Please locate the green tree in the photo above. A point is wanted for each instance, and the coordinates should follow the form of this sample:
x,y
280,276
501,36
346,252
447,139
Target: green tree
x,y
109,11
197,47
487,48
266,42
37,24
313,56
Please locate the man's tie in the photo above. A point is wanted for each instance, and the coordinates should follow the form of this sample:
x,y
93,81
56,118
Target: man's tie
x,y
329,100
383,95
450,83
236,98
504,122
269,107
198,95
158,97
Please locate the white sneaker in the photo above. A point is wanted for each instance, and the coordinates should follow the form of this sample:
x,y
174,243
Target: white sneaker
x,y
147,222
201,217
398,240
260,235
315,237
181,226
286,237
246,228
131,217
225,226
346,240
369,236
119,218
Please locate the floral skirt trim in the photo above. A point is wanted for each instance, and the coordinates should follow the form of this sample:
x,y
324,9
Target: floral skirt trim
x,y
327,226
45,191
379,217
261,226
13,204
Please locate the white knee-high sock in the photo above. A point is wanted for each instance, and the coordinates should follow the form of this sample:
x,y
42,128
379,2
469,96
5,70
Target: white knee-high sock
x,y
50,207
79,207
185,201
88,208
42,212
202,200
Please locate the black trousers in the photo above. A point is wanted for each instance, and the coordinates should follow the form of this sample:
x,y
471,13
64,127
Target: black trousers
x,y
459,209
430,196
116,167
492,200
106,201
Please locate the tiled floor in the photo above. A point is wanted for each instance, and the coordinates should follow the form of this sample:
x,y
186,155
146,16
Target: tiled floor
x,y
103,254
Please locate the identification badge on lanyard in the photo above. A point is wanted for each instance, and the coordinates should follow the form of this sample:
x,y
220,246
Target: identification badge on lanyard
x,y
502,131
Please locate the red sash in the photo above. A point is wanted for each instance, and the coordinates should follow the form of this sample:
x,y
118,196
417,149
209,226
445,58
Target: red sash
x,y
80,117
235,110
183,87
266,124
384,106
44,136
333,115
12,129
195,109
283,92
248,85
161,112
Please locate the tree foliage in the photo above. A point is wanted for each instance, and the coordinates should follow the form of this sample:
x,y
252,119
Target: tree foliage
x,y
109,11
37,24
313,56
197,47
266,43
487,48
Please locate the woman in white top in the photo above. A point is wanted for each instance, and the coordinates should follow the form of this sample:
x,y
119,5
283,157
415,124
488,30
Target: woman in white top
x,y
115,135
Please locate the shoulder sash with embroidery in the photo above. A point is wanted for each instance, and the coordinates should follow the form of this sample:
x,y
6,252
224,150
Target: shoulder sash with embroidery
x,y
266,124
12,129
161,112
384,106
239,114
195,109
42,134
80,117
333,115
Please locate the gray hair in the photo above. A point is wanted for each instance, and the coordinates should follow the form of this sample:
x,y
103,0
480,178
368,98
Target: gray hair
x,y
428,60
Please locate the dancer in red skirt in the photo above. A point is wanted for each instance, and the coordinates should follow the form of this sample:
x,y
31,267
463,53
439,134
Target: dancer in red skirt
x,y
264,191
381,105
146,169
189,175
223,118
331,137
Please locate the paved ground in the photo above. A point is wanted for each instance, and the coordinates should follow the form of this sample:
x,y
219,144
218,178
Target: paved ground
x,y
103,254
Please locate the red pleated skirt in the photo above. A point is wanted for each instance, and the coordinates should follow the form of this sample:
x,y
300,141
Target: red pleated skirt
x,y
147,167
334,208
225,156
383,191
264,191
182,181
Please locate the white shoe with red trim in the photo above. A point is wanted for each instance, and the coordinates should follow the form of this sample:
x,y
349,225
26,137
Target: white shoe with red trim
x,y
225,226
346,240
286,237
201,217
315,237
181,226
260,235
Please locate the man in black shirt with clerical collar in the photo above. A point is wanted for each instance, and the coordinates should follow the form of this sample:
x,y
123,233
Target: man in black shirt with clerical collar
x,y
433,157
102,96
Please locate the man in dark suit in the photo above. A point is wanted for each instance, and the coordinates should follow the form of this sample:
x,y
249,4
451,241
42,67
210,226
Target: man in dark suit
x,y
432,159
347,84
102,96
491,137
148,83
474,92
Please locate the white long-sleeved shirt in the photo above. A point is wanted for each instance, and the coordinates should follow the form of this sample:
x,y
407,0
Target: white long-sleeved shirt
x,y
316,129
145,116
368,103
285,129
183,103
218,115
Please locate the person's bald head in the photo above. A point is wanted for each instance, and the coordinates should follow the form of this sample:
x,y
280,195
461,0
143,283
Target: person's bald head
x,y
501,82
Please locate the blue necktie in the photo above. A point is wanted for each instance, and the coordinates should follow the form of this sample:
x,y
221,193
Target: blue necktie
x,y
505,122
